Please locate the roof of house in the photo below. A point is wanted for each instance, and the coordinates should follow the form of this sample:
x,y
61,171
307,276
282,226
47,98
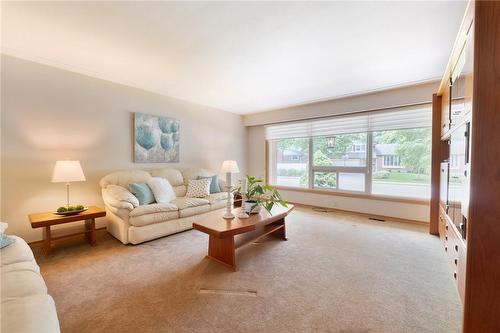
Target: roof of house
x,y
385,149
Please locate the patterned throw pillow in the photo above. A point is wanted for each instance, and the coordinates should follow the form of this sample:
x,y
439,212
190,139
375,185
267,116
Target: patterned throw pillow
x,y
198,188
214,185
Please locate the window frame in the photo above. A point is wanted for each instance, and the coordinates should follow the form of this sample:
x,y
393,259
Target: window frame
x,y
335,168
367,170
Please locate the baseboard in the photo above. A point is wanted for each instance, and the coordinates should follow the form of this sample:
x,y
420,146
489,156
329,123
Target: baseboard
x,y
374,216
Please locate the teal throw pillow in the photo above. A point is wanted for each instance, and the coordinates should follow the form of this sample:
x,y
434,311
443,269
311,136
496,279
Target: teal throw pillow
x,y
5,240
142,192
214,185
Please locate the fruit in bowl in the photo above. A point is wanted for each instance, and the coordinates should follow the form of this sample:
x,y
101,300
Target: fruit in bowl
x,y
69,210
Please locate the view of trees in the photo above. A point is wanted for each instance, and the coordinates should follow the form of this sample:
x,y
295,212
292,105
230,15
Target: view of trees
x,y
412,146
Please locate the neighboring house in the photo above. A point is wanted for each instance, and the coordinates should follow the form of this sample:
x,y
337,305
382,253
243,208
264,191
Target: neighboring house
x,y
291,156
385,158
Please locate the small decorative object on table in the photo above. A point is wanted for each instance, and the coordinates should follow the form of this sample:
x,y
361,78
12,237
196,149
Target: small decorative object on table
x,y
70,210
229,167
256,195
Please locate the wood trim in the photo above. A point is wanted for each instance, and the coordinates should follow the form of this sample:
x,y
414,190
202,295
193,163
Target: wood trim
x,y
435,164
383,217
266,161
457,46
482,292
423,202
40,242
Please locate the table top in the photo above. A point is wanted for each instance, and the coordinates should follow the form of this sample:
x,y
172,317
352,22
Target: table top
x,y
218,226
49,218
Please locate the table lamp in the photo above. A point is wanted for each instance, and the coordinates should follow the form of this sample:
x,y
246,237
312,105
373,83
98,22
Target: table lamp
x,y
229,167
67,172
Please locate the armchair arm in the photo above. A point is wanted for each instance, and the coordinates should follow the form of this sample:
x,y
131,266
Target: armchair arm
x,y
119,197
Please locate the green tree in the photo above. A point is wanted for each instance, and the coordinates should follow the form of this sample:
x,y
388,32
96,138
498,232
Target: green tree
x,y
321,179
299,144
413,147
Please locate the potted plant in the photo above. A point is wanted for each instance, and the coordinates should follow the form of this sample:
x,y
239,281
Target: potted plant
x,y
258,195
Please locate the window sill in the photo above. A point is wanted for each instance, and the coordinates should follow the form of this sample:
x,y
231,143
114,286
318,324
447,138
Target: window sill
x,y
417,201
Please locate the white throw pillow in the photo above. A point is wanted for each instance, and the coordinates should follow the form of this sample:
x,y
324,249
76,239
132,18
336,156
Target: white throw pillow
x,y
198,188
162,190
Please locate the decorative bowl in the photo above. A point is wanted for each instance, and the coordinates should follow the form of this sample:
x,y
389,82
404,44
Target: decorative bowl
x,y
71,212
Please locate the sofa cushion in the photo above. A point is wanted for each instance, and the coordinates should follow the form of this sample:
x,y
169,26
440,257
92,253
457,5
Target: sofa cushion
x,y
180,191
216,197
16,252
119,197
147,219
142,192
30,265
190,211
22,283
35,313
173,176
153,213
185,202
123,178
153,208
218,205
162,189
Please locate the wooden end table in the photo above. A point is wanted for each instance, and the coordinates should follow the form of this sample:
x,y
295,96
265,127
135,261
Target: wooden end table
x,y
48,219
225,236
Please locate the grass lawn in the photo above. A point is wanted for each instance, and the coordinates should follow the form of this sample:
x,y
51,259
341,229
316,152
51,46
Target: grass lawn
x,y
402,177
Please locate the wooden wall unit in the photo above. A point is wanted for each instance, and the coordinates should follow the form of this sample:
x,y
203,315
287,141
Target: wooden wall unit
x,y
466,165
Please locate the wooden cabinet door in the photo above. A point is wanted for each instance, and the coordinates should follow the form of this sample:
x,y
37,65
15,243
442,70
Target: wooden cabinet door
x,y
445,111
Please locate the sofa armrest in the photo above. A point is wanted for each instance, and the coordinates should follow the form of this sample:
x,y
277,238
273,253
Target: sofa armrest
x,y
119,197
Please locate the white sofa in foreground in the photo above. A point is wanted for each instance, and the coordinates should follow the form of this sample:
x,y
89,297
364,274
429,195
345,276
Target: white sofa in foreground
x,y
131,223
26,306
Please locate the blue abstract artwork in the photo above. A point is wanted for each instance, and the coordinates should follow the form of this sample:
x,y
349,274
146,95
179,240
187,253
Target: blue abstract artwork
x,y
156,139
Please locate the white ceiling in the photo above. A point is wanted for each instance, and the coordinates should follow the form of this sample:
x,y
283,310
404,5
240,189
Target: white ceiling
x,y
242,57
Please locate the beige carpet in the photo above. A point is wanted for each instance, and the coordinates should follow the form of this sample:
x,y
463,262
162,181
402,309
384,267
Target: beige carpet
x,y
336,273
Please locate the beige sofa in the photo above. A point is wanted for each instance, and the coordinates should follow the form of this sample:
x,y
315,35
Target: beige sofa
x,y
131,223
25,304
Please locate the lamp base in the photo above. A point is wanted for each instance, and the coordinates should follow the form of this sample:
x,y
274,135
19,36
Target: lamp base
x,y
228,216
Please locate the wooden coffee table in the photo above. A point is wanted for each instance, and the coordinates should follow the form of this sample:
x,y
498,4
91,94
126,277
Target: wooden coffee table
x,y
225,236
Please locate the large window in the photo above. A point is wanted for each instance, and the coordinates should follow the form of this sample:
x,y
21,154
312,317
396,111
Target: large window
x,y
402,162
332,154
290,162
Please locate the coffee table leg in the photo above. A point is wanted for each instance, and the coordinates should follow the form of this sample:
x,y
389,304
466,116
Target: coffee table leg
x,y
90,233
47,247
281,232
222,250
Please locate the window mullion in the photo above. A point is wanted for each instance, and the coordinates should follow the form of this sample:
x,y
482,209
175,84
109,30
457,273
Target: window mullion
x,y
369,163
311,161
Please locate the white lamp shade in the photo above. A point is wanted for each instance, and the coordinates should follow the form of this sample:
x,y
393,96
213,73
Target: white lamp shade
x,y
67,171
229,167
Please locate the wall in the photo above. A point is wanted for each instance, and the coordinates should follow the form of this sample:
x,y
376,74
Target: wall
x,y
421,93
415,94
50,114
